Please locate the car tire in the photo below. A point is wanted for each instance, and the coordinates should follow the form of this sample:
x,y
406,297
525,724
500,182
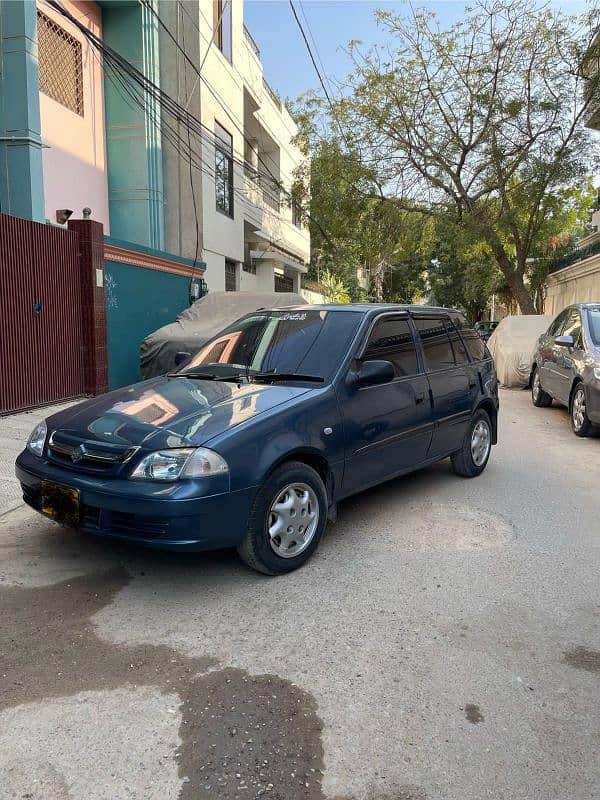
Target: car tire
x,y
580,422
287,520
472,458
539,397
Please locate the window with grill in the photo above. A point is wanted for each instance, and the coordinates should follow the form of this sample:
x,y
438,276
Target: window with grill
x,y
60,64
230,276
224,170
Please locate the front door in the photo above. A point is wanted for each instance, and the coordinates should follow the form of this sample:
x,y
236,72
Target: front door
x,y
564,357
548,353
453,383
387,428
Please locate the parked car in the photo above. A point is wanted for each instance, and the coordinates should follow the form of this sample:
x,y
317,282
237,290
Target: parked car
x,y
485,328
275,420
566,366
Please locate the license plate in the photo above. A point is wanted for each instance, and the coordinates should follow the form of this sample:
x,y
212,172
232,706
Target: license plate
x,y
60,503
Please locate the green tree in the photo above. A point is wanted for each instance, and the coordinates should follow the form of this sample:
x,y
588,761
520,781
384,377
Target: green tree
x,y
481,122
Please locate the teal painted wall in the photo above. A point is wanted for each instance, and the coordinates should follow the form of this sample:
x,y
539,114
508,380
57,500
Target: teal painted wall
x,y
133,139
21,176
138,301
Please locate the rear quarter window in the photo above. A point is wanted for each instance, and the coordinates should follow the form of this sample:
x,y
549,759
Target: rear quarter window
x,y
475,344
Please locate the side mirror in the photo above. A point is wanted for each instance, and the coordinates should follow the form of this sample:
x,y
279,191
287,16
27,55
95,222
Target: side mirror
x,y
373,373
565,341
181,358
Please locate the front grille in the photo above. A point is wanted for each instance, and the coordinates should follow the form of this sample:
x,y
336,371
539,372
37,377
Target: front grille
x,y
90,517
138,525
90,456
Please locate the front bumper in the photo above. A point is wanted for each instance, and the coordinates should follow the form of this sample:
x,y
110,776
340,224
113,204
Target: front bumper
x,y
168,516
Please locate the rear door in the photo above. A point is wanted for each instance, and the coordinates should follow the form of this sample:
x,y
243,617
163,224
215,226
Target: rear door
x,y
451,383
387,428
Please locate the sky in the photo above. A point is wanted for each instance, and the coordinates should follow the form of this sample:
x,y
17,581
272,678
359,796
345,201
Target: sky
x,y
330,25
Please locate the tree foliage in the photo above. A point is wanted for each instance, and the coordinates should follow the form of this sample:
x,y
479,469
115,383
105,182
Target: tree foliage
x,y
481,122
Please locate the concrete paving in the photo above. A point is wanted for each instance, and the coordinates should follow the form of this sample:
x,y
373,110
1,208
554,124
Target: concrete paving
x,y
14,432
443,644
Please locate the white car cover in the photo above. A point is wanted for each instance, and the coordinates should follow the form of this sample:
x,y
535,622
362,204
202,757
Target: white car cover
x,y
512,345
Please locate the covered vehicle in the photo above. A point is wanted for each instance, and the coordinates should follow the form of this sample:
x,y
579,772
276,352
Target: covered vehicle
x,y
200,322
512,345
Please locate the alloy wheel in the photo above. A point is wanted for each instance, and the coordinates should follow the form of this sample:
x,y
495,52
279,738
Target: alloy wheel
x,y
578,410
480,443
293,520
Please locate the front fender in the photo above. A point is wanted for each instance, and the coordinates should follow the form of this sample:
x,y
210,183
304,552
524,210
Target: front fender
x,y
256,448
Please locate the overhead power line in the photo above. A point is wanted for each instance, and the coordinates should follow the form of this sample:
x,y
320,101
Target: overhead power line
x,y
115,60
320,77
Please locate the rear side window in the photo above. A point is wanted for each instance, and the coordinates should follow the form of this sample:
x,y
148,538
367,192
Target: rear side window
x,y
437,347
475,345
460,354
391,340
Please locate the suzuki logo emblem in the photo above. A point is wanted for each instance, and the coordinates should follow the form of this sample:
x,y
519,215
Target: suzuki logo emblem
x,y
79,453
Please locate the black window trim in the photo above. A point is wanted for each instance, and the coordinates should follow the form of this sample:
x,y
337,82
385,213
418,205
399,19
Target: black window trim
x,y
405,316
442,318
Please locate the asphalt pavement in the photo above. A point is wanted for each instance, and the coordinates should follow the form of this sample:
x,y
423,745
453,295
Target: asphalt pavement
x,y
443,644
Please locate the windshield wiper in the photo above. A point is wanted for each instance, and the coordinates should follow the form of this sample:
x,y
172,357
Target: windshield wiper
x,y
282,376
205,376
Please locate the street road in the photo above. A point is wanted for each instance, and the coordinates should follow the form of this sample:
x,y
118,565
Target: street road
x,y
443,644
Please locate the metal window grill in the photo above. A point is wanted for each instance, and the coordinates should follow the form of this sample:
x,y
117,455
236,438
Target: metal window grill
x,y
60,64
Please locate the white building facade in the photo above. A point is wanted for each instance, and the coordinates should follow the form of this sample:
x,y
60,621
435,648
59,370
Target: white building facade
x,y
253,239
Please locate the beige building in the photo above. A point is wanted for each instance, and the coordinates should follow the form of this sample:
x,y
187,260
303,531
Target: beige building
x,y
253,237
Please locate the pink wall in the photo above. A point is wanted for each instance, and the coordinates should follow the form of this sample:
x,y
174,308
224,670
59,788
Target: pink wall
x,y
74,154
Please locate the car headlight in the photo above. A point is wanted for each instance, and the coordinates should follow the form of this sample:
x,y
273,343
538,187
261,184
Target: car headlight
x,y
37,439
172,465
597,373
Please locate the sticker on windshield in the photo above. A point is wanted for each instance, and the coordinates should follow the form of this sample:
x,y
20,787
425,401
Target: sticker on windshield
x,y
295,317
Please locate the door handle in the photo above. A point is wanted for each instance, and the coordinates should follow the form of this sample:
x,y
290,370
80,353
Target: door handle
x,y
419,397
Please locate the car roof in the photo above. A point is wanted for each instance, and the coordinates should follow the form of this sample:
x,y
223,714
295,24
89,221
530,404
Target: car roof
x,y
365,308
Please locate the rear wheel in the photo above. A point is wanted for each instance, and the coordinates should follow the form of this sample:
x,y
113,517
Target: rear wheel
x,y
539,397
287,520
473,456
580,422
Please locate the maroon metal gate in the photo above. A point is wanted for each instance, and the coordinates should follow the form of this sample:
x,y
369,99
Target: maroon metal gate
x,y
41,347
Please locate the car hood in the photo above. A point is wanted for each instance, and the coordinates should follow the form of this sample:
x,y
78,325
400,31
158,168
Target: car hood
x,y
169,412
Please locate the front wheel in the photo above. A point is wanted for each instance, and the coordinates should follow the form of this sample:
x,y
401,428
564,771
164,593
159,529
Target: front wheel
x,y
473,456
287,520
580,422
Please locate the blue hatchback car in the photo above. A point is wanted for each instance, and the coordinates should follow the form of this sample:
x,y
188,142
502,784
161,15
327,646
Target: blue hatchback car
x,y
256,439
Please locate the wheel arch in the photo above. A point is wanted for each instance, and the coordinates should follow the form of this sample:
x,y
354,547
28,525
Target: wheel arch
x,y
576,381
490,408
531,371
312,458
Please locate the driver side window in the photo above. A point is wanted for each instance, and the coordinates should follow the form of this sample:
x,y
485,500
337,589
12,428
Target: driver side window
x,y
572,327
391,340
556,328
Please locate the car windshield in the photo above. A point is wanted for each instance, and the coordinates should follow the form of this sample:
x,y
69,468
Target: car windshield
x,y
302,342
594,321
